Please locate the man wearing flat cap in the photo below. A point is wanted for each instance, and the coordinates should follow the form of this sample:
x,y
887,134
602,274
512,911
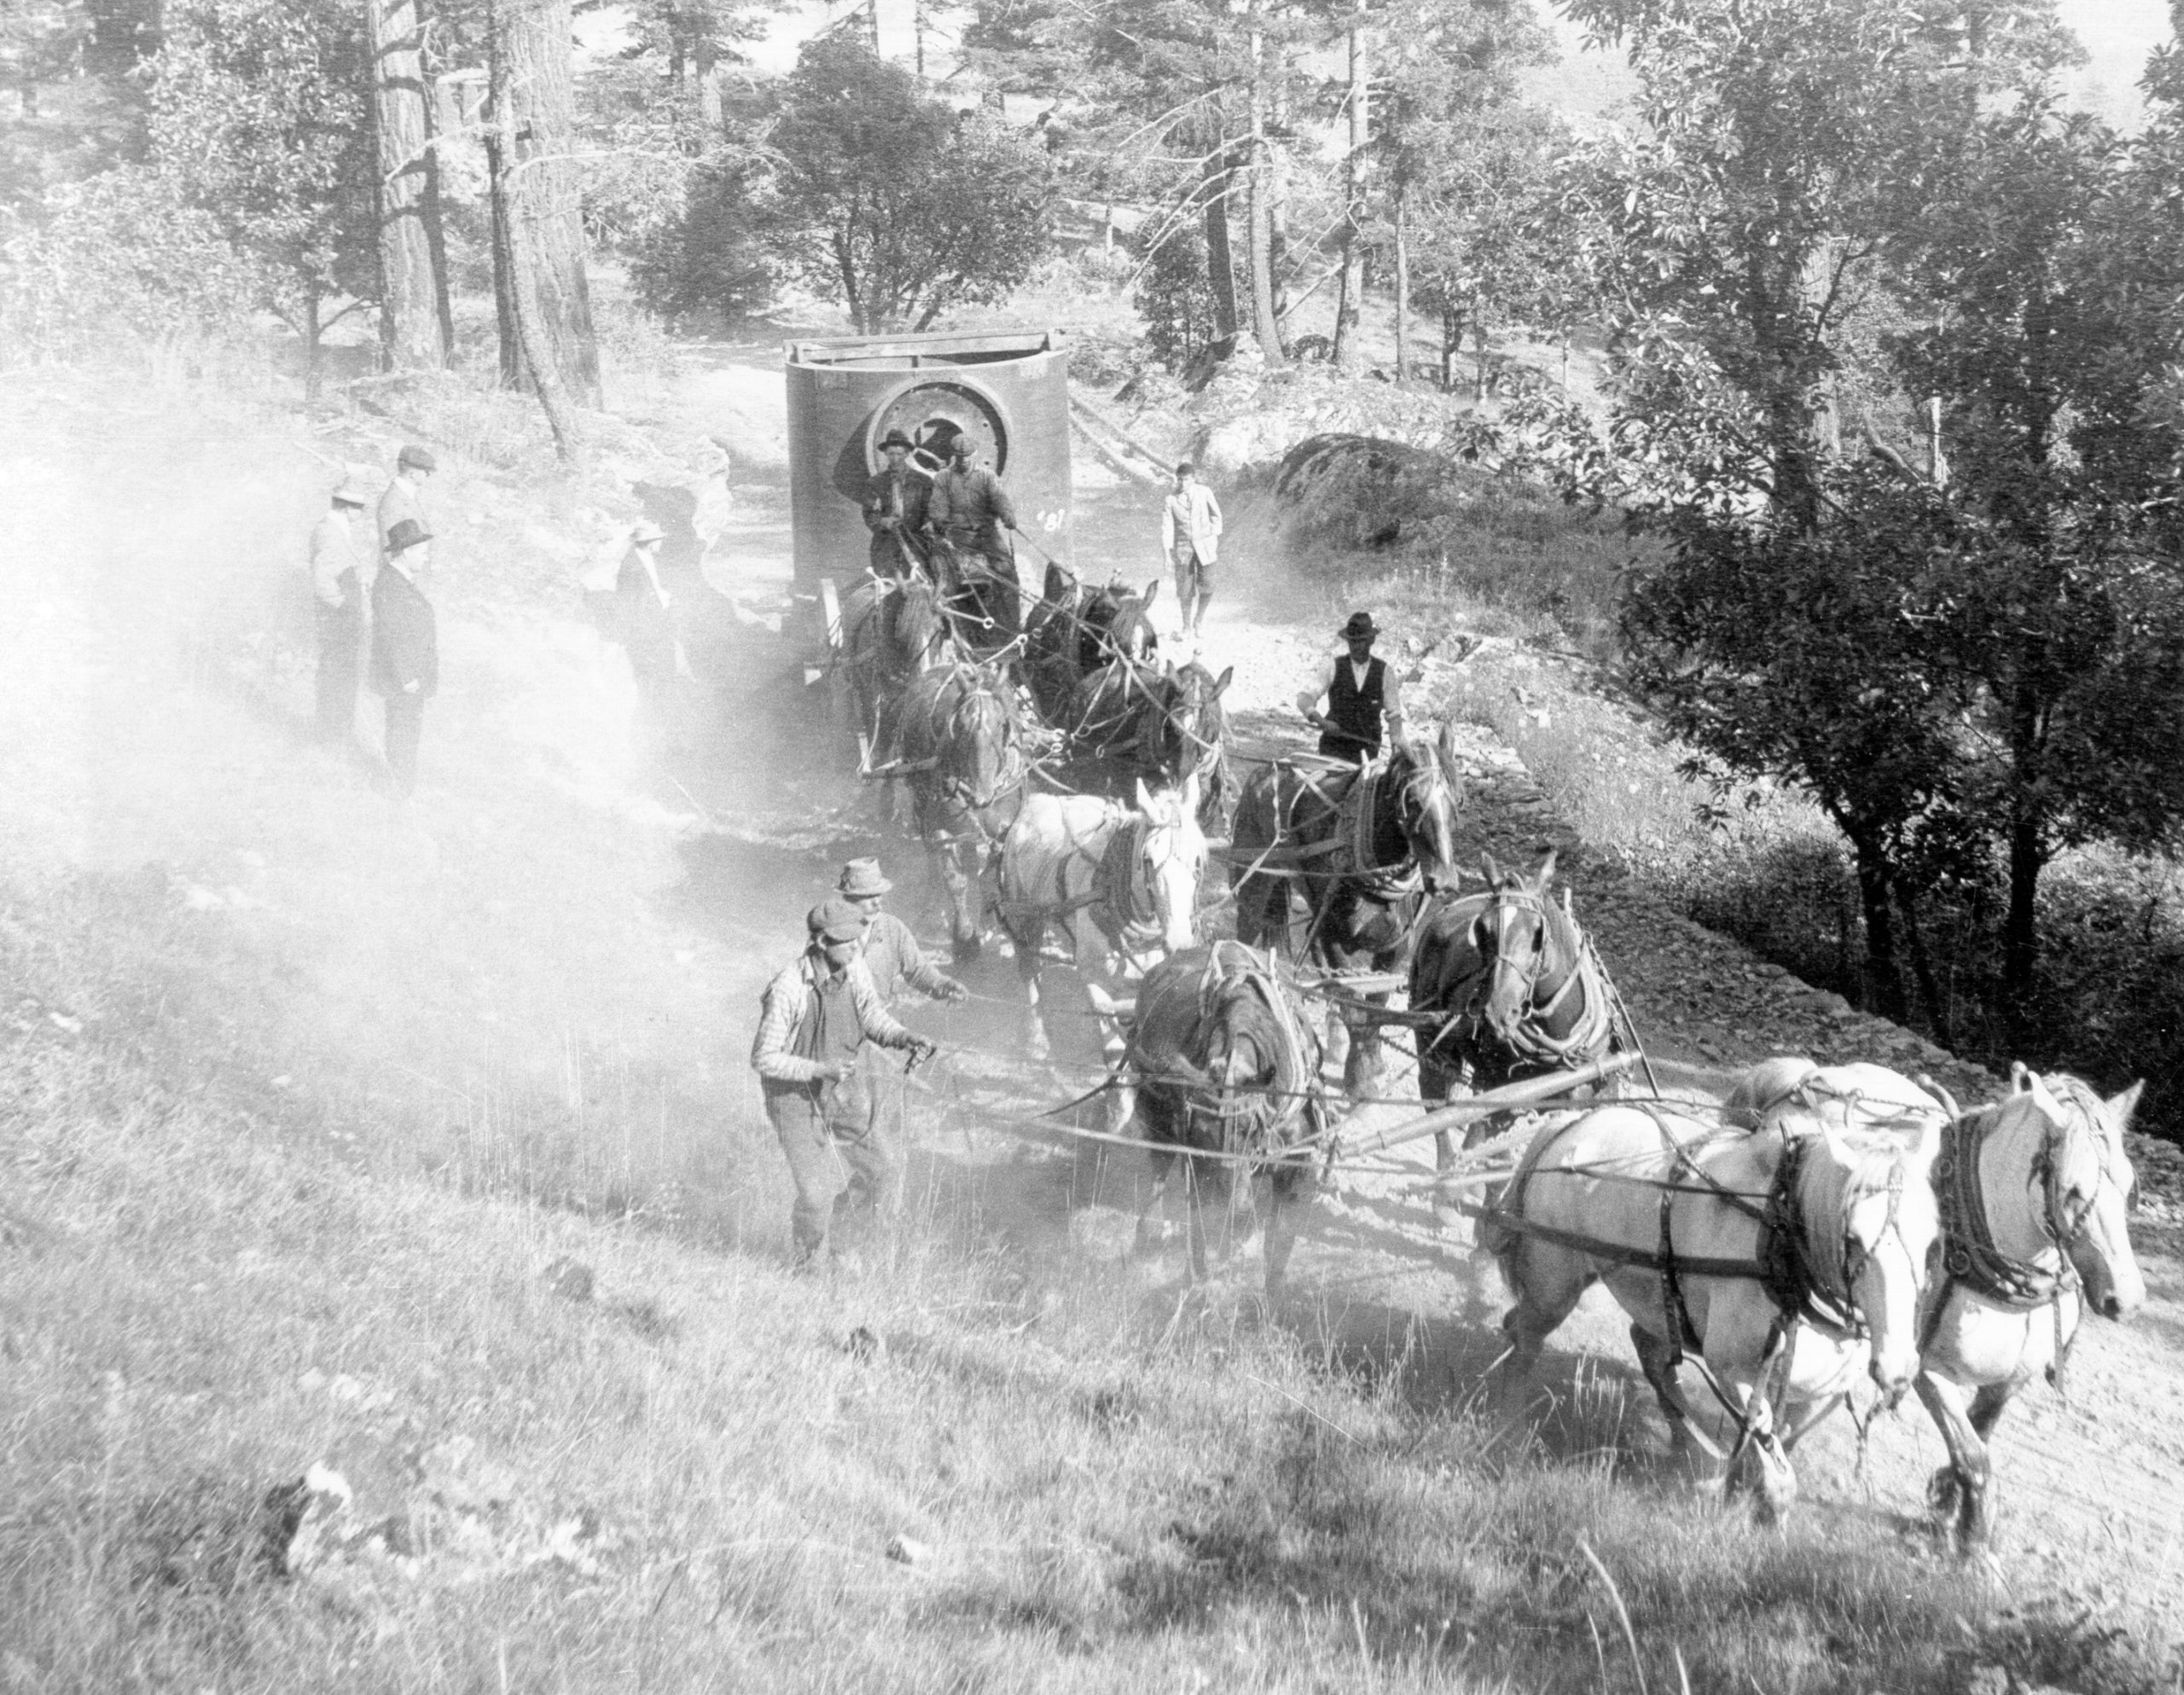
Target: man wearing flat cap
x,y
973,511
897,502
817,1017
405,649
1362,695
405,495
339,573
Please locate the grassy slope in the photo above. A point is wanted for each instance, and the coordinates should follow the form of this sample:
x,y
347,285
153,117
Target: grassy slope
x,y
284,1077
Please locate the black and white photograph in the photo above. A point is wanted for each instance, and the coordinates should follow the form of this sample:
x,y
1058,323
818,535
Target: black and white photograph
x,y
1137,847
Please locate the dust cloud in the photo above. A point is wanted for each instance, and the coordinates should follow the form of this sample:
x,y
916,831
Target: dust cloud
x,y
543,971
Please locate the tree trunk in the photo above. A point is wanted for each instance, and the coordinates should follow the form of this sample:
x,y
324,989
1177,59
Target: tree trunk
x,y
1265,318
1220,261
1884,980
1350,306
539,285
417,327
2027,851
709,106
1922,970
1452,339
314,347
1402,294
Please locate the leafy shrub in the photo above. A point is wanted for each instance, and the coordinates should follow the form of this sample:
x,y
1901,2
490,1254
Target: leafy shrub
x,y
119,253
711,264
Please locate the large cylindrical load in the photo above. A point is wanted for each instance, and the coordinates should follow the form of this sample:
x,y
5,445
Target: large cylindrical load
x,y
1008,390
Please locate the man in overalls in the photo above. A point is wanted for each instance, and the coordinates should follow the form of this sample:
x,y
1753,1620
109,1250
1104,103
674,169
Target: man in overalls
x,y
817,1015
1362,693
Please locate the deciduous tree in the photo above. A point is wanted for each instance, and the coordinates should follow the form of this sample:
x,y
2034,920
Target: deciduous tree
x,y
888,197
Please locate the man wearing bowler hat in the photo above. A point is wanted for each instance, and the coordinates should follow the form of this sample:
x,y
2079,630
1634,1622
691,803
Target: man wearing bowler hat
x,y
817,1017
897,502
405,495
405,649
1361,696
339,573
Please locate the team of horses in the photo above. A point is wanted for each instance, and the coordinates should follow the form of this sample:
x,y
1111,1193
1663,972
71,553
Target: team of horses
x,y
1824,1225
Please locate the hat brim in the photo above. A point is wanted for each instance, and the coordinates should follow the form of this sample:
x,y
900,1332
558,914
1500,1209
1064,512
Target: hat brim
x,y
868,890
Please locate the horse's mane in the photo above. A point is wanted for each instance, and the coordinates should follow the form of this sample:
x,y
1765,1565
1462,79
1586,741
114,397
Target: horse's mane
x,y
1827,1186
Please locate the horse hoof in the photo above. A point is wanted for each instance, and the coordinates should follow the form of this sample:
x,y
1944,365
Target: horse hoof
x,y
1036,1048
1944,1491
968,949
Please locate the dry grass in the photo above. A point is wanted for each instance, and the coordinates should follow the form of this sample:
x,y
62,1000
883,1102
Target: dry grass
x,y
1101,1499
316,1117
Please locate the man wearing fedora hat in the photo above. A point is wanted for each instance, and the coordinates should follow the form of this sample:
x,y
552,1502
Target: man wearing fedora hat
x,y
892,953
1362,695
897,963
405,495
405,649
816,1019
338,574
647,627
897,504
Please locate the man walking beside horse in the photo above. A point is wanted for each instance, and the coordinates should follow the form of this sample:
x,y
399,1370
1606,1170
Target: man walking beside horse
x,y
818,1015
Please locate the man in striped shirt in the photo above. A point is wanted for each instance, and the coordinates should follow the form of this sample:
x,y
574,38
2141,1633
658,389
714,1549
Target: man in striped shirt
x,y
817,1015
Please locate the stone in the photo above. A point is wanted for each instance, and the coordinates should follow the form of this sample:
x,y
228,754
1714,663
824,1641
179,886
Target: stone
x,y
908,1551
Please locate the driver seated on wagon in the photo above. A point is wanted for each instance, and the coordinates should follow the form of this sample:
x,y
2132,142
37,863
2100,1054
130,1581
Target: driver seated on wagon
x,y
1361,696
898,510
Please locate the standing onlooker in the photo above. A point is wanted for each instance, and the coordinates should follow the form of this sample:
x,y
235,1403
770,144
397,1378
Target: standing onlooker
x,y
817,1015
405,495
641,611
339,572
1190,536
405,649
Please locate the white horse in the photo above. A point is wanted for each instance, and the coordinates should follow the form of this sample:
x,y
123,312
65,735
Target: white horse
x,y
2035,1193
1123,882
1759,1257
2036,1190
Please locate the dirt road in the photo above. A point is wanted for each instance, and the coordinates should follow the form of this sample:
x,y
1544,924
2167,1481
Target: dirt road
x,y
2093,1486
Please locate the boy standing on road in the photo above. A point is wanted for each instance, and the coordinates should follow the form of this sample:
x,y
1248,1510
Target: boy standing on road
x,y
817,1016
1190,537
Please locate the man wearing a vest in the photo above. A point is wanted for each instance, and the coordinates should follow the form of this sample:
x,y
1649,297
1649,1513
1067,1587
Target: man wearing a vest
x,y
897,500
817,1015
1361,696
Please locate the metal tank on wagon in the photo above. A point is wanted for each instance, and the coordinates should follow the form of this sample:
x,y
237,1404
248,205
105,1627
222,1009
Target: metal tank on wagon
x,y
1009,389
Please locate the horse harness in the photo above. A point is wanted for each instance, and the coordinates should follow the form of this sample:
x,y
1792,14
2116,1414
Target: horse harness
x,y
1534,1040
1783,1263
1233,967
1972,1259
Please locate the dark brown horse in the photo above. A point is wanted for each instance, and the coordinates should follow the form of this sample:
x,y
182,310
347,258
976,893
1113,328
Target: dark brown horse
x,y
1365,847
1222,1061
1508,986
1076,629
1129,723
961,743
892,630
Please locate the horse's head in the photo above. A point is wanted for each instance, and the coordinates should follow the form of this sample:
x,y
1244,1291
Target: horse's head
x,y
1525,941
1871,1227
1430,789
921,629
1061,588
1184,724
2084,1179
1171,860
980,746
1129,627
